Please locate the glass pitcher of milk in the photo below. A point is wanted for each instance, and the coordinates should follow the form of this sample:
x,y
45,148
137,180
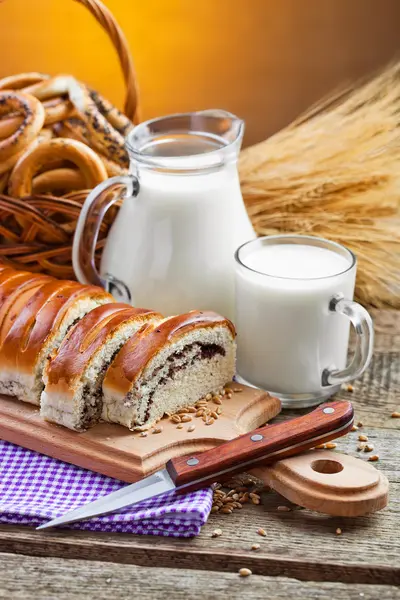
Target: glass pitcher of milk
x,y
171,247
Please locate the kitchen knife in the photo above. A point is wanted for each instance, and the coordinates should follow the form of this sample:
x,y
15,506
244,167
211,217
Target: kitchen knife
x,y
192,472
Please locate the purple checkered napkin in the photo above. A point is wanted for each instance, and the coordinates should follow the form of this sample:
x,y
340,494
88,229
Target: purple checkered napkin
x,y
35,488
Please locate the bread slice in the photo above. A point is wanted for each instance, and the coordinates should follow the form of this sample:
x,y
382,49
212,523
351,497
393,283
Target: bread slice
x,y
168,365
73,378
38,330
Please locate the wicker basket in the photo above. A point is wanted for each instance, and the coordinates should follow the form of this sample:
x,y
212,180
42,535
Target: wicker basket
x,y
43,242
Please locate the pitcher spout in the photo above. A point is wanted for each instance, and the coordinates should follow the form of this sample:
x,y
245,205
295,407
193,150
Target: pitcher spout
x,y
226,125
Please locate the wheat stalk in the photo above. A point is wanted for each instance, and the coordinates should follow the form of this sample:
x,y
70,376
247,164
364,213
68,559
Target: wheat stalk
x,y
335,173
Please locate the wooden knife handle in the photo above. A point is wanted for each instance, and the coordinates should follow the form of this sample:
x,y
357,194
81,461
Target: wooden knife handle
x,y
264,445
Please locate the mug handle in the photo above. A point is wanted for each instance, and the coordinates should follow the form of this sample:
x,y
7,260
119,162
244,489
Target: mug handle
x,y
362,323
97,203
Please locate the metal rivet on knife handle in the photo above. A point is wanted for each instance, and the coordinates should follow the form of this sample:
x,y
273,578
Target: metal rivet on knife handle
x,y
329,410
192,462
257,437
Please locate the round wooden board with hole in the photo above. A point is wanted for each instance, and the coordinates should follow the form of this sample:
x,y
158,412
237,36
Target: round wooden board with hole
x,y
328,482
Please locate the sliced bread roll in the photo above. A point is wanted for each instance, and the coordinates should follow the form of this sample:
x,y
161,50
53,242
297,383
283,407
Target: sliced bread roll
x,y
73,378
39,329
168,365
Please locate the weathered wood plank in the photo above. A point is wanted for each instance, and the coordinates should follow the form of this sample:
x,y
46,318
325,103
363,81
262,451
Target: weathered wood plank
x,y
58,579
300,544
387,330
376,394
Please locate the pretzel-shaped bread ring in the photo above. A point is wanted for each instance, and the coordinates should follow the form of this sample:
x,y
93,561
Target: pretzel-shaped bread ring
x,y
112,167
58,180
9,125
102,135
21,80
114,116
46,134
34,115
87,161
55,110
9,164
4,182
75,130
60,85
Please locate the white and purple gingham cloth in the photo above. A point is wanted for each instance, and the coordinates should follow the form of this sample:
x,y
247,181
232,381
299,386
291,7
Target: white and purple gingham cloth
x,y
35,488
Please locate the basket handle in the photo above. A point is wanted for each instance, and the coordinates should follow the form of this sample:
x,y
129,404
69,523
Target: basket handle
x,y
105,18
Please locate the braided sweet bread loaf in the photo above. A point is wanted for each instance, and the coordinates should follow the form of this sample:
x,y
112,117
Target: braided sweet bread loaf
x,y
70,348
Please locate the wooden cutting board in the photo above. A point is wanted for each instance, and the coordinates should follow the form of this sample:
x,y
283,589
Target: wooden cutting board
x,y
117,452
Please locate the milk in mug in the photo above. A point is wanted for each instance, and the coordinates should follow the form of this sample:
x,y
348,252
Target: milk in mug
x,y
287,335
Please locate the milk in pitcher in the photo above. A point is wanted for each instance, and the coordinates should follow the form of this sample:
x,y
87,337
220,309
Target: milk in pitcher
x,y
187,229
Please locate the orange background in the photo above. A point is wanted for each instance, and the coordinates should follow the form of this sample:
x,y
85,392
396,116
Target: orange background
x,y
265,60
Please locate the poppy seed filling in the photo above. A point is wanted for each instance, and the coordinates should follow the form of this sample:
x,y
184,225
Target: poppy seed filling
x,y
186,357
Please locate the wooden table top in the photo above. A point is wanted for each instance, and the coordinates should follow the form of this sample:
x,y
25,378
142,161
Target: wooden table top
x,y
301,555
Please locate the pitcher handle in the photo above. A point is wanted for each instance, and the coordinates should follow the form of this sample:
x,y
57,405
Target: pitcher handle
x,y
362,323
100,199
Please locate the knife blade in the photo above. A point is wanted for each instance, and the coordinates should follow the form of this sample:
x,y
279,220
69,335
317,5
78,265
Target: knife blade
x,y
189,473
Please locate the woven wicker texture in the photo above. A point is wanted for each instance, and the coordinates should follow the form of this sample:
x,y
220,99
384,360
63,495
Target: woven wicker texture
x,y
36,232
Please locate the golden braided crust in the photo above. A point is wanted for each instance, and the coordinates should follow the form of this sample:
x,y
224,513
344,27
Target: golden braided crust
x,y
10,278
16,287
33,120
87,161
40,318
87,337
148,341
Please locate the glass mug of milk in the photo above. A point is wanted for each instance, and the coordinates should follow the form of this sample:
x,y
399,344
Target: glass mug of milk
x,y
171,246
294,306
